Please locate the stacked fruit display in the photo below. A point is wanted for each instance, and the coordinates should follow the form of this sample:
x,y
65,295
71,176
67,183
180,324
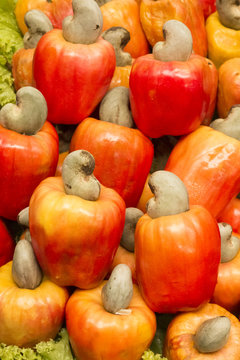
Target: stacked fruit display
x,y
120,170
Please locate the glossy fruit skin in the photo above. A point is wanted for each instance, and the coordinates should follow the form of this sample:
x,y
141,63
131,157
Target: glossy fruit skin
x,y
231,214
223,42
70,233
22,68
123,256
145,196
29,316
7,244
104,335
125,13
56,10
61,159
171,98
154,13
123,156
121,76
227,290
228,86
72,77
208,162
179,337
211,88
209,7
177,259
24,161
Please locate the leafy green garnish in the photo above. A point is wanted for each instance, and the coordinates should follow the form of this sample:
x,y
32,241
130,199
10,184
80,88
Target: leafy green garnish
x,y
149,355
8,5
10,41
7,19
10,37
7,94
13,352
58,349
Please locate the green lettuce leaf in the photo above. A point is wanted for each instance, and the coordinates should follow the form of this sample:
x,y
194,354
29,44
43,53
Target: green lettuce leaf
x,y
7,93
12,352
58,349
10,41
10,37
7,19
8,5
149,355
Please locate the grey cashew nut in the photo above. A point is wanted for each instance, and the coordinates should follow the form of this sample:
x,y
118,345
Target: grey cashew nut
x,y
115,107
119,37
26,271
170,195
23,217
77,175
230,244
177,45
212,334
231,124
132,216
38,24
102,2
118,291
229,13
28,115
85,26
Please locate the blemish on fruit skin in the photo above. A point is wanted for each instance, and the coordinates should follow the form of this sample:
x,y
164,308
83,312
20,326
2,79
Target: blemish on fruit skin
x,y
179,341
152,94
183,346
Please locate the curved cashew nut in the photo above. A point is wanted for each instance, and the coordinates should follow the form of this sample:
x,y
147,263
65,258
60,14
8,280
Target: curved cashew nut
x,y
28,115
85,26
77,175
177,45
